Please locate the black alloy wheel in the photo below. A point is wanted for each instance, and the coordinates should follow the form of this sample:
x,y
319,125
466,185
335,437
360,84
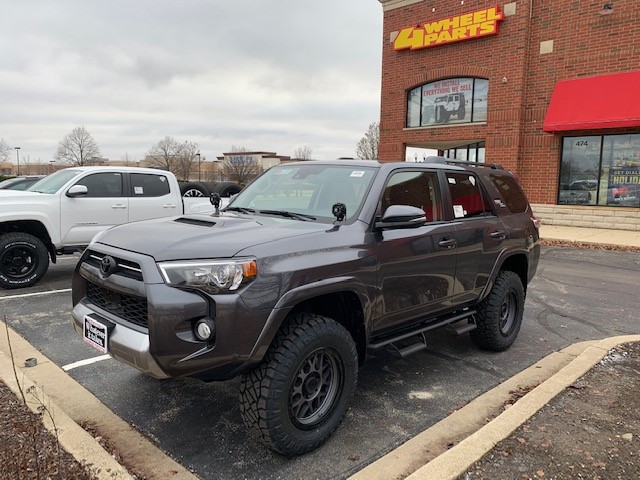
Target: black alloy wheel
x,y
23,260
315,387
298,395
499,315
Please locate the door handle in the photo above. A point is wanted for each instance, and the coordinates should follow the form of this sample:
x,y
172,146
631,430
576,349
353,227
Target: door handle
x,y
168,205
447,242
498,234
119,205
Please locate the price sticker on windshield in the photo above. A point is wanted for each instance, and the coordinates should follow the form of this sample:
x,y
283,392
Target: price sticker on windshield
x,y
357,173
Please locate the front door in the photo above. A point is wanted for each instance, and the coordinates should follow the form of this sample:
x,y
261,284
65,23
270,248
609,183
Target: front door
x,y
417,266
104,206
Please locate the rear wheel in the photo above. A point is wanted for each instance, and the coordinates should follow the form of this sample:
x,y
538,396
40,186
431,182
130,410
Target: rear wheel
x,y
299,394
23,260
499,316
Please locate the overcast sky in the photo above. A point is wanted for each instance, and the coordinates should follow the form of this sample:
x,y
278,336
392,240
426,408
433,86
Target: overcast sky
x,y
261,75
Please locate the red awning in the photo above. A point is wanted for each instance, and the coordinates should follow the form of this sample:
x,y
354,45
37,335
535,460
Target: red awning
x,y
590,103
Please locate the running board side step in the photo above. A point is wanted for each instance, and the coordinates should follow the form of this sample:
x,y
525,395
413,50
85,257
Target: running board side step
x,y
414,341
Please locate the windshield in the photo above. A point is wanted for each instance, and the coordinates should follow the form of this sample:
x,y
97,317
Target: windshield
x,y
7,182
53,182
310,190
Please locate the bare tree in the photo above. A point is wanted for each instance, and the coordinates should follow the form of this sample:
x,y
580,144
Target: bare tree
x,y
186,160
77,148
239,167
4,150
367,147
165,154
303,152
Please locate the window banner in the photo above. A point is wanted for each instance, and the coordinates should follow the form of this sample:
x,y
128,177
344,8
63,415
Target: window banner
x,y
447,101
624,186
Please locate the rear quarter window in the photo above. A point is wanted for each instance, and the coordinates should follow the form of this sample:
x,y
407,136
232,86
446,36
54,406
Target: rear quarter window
x,y
511,193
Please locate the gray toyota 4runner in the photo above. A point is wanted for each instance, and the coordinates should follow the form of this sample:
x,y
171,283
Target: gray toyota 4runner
x,y
308,268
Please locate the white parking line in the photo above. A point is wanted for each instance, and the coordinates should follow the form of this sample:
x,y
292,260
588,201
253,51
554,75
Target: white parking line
x,y
35,294
82,363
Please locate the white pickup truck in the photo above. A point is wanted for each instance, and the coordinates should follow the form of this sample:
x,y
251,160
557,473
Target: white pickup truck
x,y
64,211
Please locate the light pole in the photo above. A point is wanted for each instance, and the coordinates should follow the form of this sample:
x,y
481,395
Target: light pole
x,y
18,157
198,155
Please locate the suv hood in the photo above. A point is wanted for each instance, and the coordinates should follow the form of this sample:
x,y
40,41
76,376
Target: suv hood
x,y
203,236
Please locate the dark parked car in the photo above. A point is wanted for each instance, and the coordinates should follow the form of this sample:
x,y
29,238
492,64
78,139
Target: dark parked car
x,y
308,268
20,183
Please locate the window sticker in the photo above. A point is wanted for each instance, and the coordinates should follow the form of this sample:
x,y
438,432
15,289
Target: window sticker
x,y
458,211
472,180
452,181
357,173
138,190
163,179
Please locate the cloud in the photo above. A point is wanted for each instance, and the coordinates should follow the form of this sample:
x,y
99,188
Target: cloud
x,y
264,75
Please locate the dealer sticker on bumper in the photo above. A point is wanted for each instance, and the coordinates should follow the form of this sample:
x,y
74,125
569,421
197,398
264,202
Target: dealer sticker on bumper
x,y
95,334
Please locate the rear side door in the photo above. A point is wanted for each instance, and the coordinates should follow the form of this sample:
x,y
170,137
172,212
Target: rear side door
x,y
105,205
150,196
480,233
416,266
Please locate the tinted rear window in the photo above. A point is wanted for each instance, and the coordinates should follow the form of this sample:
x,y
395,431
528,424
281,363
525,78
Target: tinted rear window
x,y
512,194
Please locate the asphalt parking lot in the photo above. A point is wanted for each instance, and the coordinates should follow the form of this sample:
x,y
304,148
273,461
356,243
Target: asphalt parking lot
x,y
576,295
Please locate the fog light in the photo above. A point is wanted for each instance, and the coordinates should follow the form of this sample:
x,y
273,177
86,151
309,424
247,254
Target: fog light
x,y
205,329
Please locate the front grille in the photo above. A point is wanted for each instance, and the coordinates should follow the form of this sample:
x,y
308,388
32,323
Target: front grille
x,y
125,268
128,307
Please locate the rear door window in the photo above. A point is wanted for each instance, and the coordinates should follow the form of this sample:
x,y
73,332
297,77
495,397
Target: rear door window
x,y
148,185
466,195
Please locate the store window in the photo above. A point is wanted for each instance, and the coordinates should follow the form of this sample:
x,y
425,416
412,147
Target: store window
x,y
450,101
474,152
600,170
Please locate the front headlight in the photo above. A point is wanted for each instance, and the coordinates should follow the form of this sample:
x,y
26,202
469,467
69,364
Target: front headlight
x,y
213,276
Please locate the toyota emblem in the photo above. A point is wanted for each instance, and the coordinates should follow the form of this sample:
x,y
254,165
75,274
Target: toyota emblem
x,y
108,265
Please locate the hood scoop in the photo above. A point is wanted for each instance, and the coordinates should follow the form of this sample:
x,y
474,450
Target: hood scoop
x,y
198,222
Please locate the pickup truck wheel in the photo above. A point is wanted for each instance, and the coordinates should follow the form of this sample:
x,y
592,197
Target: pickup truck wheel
x,y
194,189
299,394
500,315
23,260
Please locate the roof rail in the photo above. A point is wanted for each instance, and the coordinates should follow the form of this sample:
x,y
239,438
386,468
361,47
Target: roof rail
x,y
438,159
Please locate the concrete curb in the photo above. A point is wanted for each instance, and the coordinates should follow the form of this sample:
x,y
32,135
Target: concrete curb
x,y
71,400
84,448
453,463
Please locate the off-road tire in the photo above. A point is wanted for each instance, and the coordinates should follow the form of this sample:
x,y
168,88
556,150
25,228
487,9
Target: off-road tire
x,y
266,393
24,260
499,316
194,189
227,189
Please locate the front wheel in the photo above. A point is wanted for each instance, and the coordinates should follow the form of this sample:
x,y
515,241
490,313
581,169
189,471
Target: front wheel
x,y
23,260
499,316
299,394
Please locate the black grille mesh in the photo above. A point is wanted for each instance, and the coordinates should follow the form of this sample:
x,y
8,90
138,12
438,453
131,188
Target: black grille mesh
x,y
128,307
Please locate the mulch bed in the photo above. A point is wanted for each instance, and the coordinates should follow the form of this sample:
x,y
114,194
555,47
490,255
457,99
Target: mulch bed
x,y
27,449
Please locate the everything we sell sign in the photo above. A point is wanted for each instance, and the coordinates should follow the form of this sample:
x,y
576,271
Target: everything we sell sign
x,y
453,29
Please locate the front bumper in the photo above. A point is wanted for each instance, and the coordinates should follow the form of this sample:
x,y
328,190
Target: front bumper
x,y
161,342
125,344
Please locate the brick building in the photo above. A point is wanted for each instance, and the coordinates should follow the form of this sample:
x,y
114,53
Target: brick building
x,y
548,88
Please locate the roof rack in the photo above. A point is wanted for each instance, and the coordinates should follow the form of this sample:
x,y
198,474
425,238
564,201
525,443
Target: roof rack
x,y
438,159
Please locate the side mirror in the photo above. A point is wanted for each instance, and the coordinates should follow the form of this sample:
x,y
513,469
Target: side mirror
x,y
77,191
402,216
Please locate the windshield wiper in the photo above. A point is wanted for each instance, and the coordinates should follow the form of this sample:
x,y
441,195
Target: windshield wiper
x,y
284,213
239,209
